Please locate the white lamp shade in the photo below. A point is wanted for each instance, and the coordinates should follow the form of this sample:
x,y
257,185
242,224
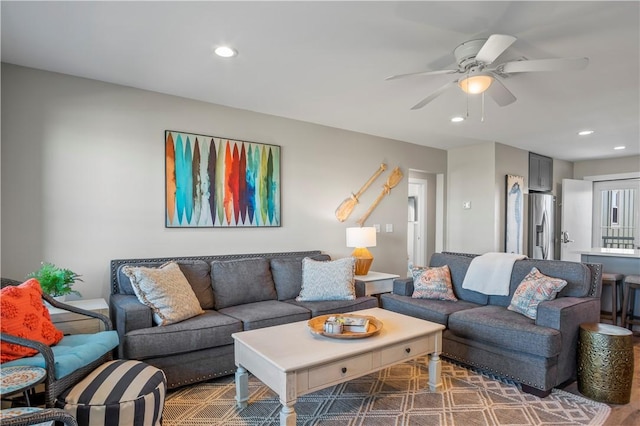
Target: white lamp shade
x,y
361,237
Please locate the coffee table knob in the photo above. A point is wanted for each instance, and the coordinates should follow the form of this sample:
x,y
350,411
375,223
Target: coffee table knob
x,y
344,370
408,350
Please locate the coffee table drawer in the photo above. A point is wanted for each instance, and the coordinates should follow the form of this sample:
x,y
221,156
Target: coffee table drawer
x,y
340,370
409,349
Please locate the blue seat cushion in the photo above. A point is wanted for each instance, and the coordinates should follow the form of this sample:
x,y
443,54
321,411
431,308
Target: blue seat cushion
x,y
73,352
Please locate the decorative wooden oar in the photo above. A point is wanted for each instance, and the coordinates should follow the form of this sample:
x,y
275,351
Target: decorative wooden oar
x,y
346,207
394,178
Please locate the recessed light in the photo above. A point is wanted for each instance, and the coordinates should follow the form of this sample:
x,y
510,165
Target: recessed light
x,y
225,52
457,119
617,148
585,132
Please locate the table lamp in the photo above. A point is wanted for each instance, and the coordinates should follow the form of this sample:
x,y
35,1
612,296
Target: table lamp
x,y
361,238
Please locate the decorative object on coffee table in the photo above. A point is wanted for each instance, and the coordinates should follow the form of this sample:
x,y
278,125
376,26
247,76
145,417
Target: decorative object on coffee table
x,y
360,239
346,207
394,179
316,326
605,363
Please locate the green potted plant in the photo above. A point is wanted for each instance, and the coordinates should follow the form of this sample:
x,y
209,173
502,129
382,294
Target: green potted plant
x,y
55,281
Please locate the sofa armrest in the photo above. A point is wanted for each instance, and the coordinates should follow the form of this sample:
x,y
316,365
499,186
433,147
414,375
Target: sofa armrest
x,y
403,286
128,314
566,314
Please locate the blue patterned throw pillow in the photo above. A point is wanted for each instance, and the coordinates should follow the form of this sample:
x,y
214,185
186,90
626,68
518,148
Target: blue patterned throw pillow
x,y
327,280
433,283
535,288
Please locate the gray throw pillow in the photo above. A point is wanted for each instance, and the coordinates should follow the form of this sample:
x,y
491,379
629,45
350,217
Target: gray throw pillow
x,y
166,291
236,282
330,280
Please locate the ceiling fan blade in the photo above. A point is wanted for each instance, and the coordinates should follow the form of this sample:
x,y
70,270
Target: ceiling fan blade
x,y
415,74
493,47
560,64
500,94
434,95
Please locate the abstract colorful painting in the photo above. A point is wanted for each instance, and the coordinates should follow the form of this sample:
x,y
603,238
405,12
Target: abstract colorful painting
x,y
218,182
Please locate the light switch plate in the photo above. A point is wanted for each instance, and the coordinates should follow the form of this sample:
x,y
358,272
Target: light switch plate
x,y
389,227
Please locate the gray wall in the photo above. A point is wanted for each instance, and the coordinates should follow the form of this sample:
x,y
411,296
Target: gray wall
x,y
83,178
607,166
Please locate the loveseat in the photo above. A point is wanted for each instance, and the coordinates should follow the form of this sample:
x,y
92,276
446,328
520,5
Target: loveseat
x,y
236,293
482,332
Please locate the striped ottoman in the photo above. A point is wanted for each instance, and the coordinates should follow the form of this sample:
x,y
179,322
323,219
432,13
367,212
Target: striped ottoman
x,y
118,393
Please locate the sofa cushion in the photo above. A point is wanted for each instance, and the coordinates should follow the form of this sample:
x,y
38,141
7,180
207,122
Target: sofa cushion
x,y
426,309
432,283
266,313
534,289
458,266
195,271
205,331
287,275
498,326
325,307
166,291
328,280
236,282
24,315
73,352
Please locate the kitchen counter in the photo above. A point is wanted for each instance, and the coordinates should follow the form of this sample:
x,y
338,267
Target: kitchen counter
x,y
612,252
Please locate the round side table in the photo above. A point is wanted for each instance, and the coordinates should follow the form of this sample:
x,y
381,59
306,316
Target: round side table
x,y
605,363
16,379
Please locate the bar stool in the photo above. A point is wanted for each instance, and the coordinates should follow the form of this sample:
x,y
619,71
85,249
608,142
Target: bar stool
x,y
614,281
631,284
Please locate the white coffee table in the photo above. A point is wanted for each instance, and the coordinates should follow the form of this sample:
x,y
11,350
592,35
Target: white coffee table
x,y
292,361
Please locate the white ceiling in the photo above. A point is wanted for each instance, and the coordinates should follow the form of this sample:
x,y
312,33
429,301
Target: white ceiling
x,y
325,62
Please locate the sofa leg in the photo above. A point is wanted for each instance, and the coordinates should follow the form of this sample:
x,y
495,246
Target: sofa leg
x,y
534,391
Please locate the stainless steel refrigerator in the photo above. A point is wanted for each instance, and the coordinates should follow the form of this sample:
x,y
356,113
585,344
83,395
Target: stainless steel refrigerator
x,y
542,223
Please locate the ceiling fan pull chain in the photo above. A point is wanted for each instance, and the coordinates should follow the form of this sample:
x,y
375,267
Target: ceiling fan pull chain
x,y
482,116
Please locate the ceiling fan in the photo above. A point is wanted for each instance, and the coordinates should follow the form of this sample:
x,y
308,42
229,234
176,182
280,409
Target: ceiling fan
x,y
478,74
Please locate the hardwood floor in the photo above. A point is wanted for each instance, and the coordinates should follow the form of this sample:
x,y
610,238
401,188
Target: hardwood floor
x,y
627,414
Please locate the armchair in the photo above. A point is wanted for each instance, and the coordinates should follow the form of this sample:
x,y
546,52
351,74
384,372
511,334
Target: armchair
x,y
72,358
25,416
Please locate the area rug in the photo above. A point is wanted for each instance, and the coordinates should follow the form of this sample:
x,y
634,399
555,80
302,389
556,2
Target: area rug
x,y
397,396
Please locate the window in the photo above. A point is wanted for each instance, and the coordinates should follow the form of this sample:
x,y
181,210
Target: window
x,y
616,214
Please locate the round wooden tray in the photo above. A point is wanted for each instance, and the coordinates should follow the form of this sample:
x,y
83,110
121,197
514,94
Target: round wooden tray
x,y
316,326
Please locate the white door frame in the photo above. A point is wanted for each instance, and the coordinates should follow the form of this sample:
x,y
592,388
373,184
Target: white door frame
x,y
420,190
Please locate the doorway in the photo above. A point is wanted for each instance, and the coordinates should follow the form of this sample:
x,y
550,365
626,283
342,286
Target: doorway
x,y
416,228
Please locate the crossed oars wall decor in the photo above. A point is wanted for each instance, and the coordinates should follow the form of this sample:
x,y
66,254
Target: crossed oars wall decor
x,y
348,204
392,181
346,207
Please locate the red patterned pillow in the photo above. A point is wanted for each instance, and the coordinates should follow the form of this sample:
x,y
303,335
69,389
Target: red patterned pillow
x,y
433,283
24,315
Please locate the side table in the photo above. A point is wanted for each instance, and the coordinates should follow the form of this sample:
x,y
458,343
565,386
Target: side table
x,y
605,363
377,282
20,379
72,323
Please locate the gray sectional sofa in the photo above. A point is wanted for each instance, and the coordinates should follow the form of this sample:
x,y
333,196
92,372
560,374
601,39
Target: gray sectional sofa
x,y
237,292
481,332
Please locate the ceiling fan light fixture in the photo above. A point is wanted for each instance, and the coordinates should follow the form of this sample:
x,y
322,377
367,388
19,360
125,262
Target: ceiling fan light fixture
x,y
475,84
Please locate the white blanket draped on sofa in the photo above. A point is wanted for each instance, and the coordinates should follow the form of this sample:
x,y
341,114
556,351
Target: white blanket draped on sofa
x,y
491,273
